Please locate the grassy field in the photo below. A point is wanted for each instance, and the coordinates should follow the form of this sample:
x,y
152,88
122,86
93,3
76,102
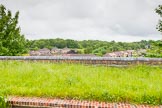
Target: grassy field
x,y
134,84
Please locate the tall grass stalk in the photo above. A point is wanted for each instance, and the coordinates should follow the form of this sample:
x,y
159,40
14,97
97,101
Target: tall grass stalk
x,y
3,103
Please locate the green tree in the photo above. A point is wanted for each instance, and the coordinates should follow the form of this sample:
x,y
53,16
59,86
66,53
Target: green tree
x,y
71,43
11,41
159,11
156,47
155,50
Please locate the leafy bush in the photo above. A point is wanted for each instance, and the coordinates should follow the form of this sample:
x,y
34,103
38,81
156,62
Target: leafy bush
x,y
155,50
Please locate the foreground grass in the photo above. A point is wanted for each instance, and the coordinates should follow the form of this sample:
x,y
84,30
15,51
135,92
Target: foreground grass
x,y
3,103
133,84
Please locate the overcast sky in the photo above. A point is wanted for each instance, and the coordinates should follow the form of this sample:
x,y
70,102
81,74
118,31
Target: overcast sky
x,y
119,20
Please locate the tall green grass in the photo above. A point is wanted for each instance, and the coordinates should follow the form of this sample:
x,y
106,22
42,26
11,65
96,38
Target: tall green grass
x,y
3,103
140,84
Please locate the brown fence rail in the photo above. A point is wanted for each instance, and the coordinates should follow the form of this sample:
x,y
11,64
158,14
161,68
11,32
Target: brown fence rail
x,y
87,60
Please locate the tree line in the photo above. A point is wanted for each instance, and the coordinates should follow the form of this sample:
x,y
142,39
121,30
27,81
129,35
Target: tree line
x,y
88,46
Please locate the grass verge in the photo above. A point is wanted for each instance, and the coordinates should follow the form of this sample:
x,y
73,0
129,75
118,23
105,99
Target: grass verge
x,y
140,84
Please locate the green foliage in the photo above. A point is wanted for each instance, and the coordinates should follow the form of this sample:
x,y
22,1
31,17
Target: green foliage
x,y
100,51
155,50
72,44
159,11
134,84
3,103
80,51
87,46
11,41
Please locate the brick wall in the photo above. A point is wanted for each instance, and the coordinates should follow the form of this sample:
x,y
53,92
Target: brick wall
x,y
26,102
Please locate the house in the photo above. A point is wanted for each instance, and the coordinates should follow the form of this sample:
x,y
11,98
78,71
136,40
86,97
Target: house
x,y
113,54
44,52
119,54
55,51
109,55
82,55
65,50
73,51
34,53
127,53
141,52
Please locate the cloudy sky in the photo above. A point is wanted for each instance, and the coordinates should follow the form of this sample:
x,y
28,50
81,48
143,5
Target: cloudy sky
x,y
119,20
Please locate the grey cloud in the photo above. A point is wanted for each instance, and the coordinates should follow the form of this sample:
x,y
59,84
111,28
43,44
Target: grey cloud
x,y
87,19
